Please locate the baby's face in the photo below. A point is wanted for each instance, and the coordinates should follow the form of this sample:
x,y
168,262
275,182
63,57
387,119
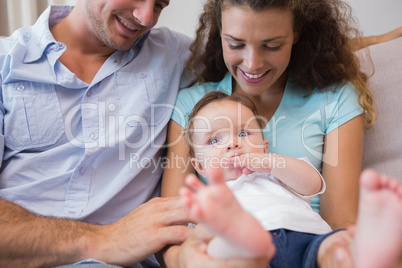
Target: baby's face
x,y
222,130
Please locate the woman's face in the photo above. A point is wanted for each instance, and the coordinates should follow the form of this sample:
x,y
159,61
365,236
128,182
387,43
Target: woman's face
x,y
257,47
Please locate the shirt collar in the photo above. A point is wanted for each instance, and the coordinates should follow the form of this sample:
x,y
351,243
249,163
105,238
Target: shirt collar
x,y
225,85
41,37
141,40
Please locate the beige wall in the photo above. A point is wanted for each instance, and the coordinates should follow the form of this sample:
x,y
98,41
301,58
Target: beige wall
x,y
182,15
18,13
375,16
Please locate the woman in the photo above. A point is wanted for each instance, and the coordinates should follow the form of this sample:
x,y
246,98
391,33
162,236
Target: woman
x,y
295,61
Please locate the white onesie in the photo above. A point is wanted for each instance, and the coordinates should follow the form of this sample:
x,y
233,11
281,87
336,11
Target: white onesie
x,y
274,205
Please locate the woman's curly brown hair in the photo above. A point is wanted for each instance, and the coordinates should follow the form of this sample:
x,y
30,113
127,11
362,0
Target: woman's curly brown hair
x,y
322,57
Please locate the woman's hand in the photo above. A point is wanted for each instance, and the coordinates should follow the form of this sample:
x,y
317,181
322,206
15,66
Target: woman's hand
x,y
193,254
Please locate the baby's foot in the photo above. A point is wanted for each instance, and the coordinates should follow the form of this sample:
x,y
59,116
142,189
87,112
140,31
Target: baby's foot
x,y
215,206
378,233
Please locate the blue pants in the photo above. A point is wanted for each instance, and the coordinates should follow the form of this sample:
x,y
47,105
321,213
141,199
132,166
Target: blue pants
x,y
295,249
91,265
151,262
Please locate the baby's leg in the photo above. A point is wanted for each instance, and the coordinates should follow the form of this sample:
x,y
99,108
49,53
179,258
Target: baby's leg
x,y
378,233
215,206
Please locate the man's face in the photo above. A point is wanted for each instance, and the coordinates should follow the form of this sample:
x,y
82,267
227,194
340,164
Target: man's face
x,y
120,23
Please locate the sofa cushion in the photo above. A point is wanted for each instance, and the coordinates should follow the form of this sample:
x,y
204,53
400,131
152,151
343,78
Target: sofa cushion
x,y
383,142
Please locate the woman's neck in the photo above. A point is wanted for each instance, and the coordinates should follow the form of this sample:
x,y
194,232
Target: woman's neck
x,y
269,100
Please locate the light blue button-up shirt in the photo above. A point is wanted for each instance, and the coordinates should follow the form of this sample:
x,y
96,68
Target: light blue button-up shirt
x,y
91,152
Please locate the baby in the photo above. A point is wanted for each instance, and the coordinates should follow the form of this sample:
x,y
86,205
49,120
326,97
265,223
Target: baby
x,y
250,192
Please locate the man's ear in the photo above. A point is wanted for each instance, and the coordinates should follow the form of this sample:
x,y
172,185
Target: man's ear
x,y
197,165
266,143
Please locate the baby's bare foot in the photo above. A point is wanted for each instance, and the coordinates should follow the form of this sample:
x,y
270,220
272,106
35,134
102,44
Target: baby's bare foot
x,y
378,233
238,233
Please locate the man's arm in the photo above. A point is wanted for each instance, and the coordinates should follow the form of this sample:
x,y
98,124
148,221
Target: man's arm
x,y
32,241
28,240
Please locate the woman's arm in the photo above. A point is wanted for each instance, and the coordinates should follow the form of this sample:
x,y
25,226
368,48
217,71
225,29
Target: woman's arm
x,y
178,161
342,162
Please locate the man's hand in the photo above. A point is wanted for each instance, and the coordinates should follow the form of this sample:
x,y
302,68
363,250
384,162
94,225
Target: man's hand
x,y
144,231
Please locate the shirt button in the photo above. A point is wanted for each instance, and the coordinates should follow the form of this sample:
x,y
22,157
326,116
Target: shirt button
x,y
82,170
112,107
143,76
89,94
20,88
94,136
58,46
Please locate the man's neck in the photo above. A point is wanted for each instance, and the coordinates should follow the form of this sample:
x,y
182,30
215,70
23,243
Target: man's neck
x,y
85,53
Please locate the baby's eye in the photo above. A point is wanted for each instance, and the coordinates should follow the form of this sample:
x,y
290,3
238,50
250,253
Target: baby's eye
x,y
243,134
212,141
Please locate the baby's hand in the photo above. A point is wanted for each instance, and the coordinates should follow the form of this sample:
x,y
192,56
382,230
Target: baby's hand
x,y
254,162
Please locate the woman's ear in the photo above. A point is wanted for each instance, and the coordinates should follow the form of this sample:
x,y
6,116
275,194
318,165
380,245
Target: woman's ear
x,y
296,37
197,165
266,146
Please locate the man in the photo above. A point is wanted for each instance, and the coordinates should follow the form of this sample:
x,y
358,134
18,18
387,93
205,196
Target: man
x,y
86,95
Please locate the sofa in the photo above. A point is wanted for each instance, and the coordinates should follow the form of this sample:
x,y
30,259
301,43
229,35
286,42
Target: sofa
x,y
383,142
